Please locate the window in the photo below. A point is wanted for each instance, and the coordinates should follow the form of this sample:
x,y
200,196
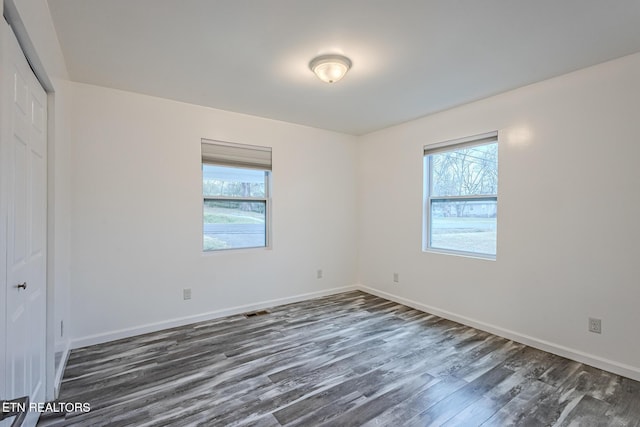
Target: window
x,y
236,196
461,196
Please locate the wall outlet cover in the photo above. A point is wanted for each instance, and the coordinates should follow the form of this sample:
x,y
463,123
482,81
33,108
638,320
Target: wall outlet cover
x,y
595,325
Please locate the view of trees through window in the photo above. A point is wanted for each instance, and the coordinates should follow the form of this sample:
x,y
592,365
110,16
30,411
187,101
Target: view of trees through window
x,y
234,208
462,199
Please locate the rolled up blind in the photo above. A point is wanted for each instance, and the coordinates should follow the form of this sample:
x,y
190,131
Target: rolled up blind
x,y
470,141
237,155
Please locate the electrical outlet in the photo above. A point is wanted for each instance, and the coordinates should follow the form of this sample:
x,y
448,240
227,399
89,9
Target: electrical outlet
x,y
595,325
396,278
186,293
319,274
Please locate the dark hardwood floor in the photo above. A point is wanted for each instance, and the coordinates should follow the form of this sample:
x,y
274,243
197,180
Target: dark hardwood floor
x,y
345,360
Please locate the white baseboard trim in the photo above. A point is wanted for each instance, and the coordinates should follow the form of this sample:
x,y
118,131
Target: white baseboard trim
x,y
57,381
560,350
181,321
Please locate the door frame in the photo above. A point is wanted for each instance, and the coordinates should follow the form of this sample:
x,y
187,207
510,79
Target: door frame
x,y
3,221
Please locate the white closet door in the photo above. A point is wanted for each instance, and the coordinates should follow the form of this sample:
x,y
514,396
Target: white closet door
x,y
25,147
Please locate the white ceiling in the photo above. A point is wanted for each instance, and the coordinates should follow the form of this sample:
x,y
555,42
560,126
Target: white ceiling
x,y
410,57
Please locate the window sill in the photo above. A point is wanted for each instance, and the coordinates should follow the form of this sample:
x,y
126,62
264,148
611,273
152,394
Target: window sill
x,y
235,251
460,254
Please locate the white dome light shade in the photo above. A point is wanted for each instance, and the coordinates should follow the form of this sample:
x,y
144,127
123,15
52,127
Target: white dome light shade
x,y
330,68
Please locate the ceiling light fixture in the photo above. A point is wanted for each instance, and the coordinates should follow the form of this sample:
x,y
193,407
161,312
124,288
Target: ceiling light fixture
x,y
330,68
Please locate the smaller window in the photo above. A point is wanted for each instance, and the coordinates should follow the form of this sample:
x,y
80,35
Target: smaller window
x,y
461,196
236,196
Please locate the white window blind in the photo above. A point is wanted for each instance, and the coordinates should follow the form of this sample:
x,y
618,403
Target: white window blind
x,y
485,138
237,155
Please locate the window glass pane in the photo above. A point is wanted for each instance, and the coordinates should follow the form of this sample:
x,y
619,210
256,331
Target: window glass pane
x,y
465,171
234,224
468,226
225,181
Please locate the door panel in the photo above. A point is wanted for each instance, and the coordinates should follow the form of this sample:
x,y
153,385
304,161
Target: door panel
x,y
18,195
38,205
26,182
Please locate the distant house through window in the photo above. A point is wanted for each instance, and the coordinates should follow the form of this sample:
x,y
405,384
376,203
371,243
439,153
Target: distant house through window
x,y
236,196
461,196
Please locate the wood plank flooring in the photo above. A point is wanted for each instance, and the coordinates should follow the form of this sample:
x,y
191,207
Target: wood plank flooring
x,y
346,360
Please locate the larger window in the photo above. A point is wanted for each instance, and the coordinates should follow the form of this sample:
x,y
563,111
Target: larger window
x,y
461,196
236,196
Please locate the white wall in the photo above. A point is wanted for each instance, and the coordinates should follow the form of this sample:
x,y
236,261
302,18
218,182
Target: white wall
x,y
568,216
137,214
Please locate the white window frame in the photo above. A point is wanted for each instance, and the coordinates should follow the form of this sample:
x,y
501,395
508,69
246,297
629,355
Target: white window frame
x,y
239,156
447,146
